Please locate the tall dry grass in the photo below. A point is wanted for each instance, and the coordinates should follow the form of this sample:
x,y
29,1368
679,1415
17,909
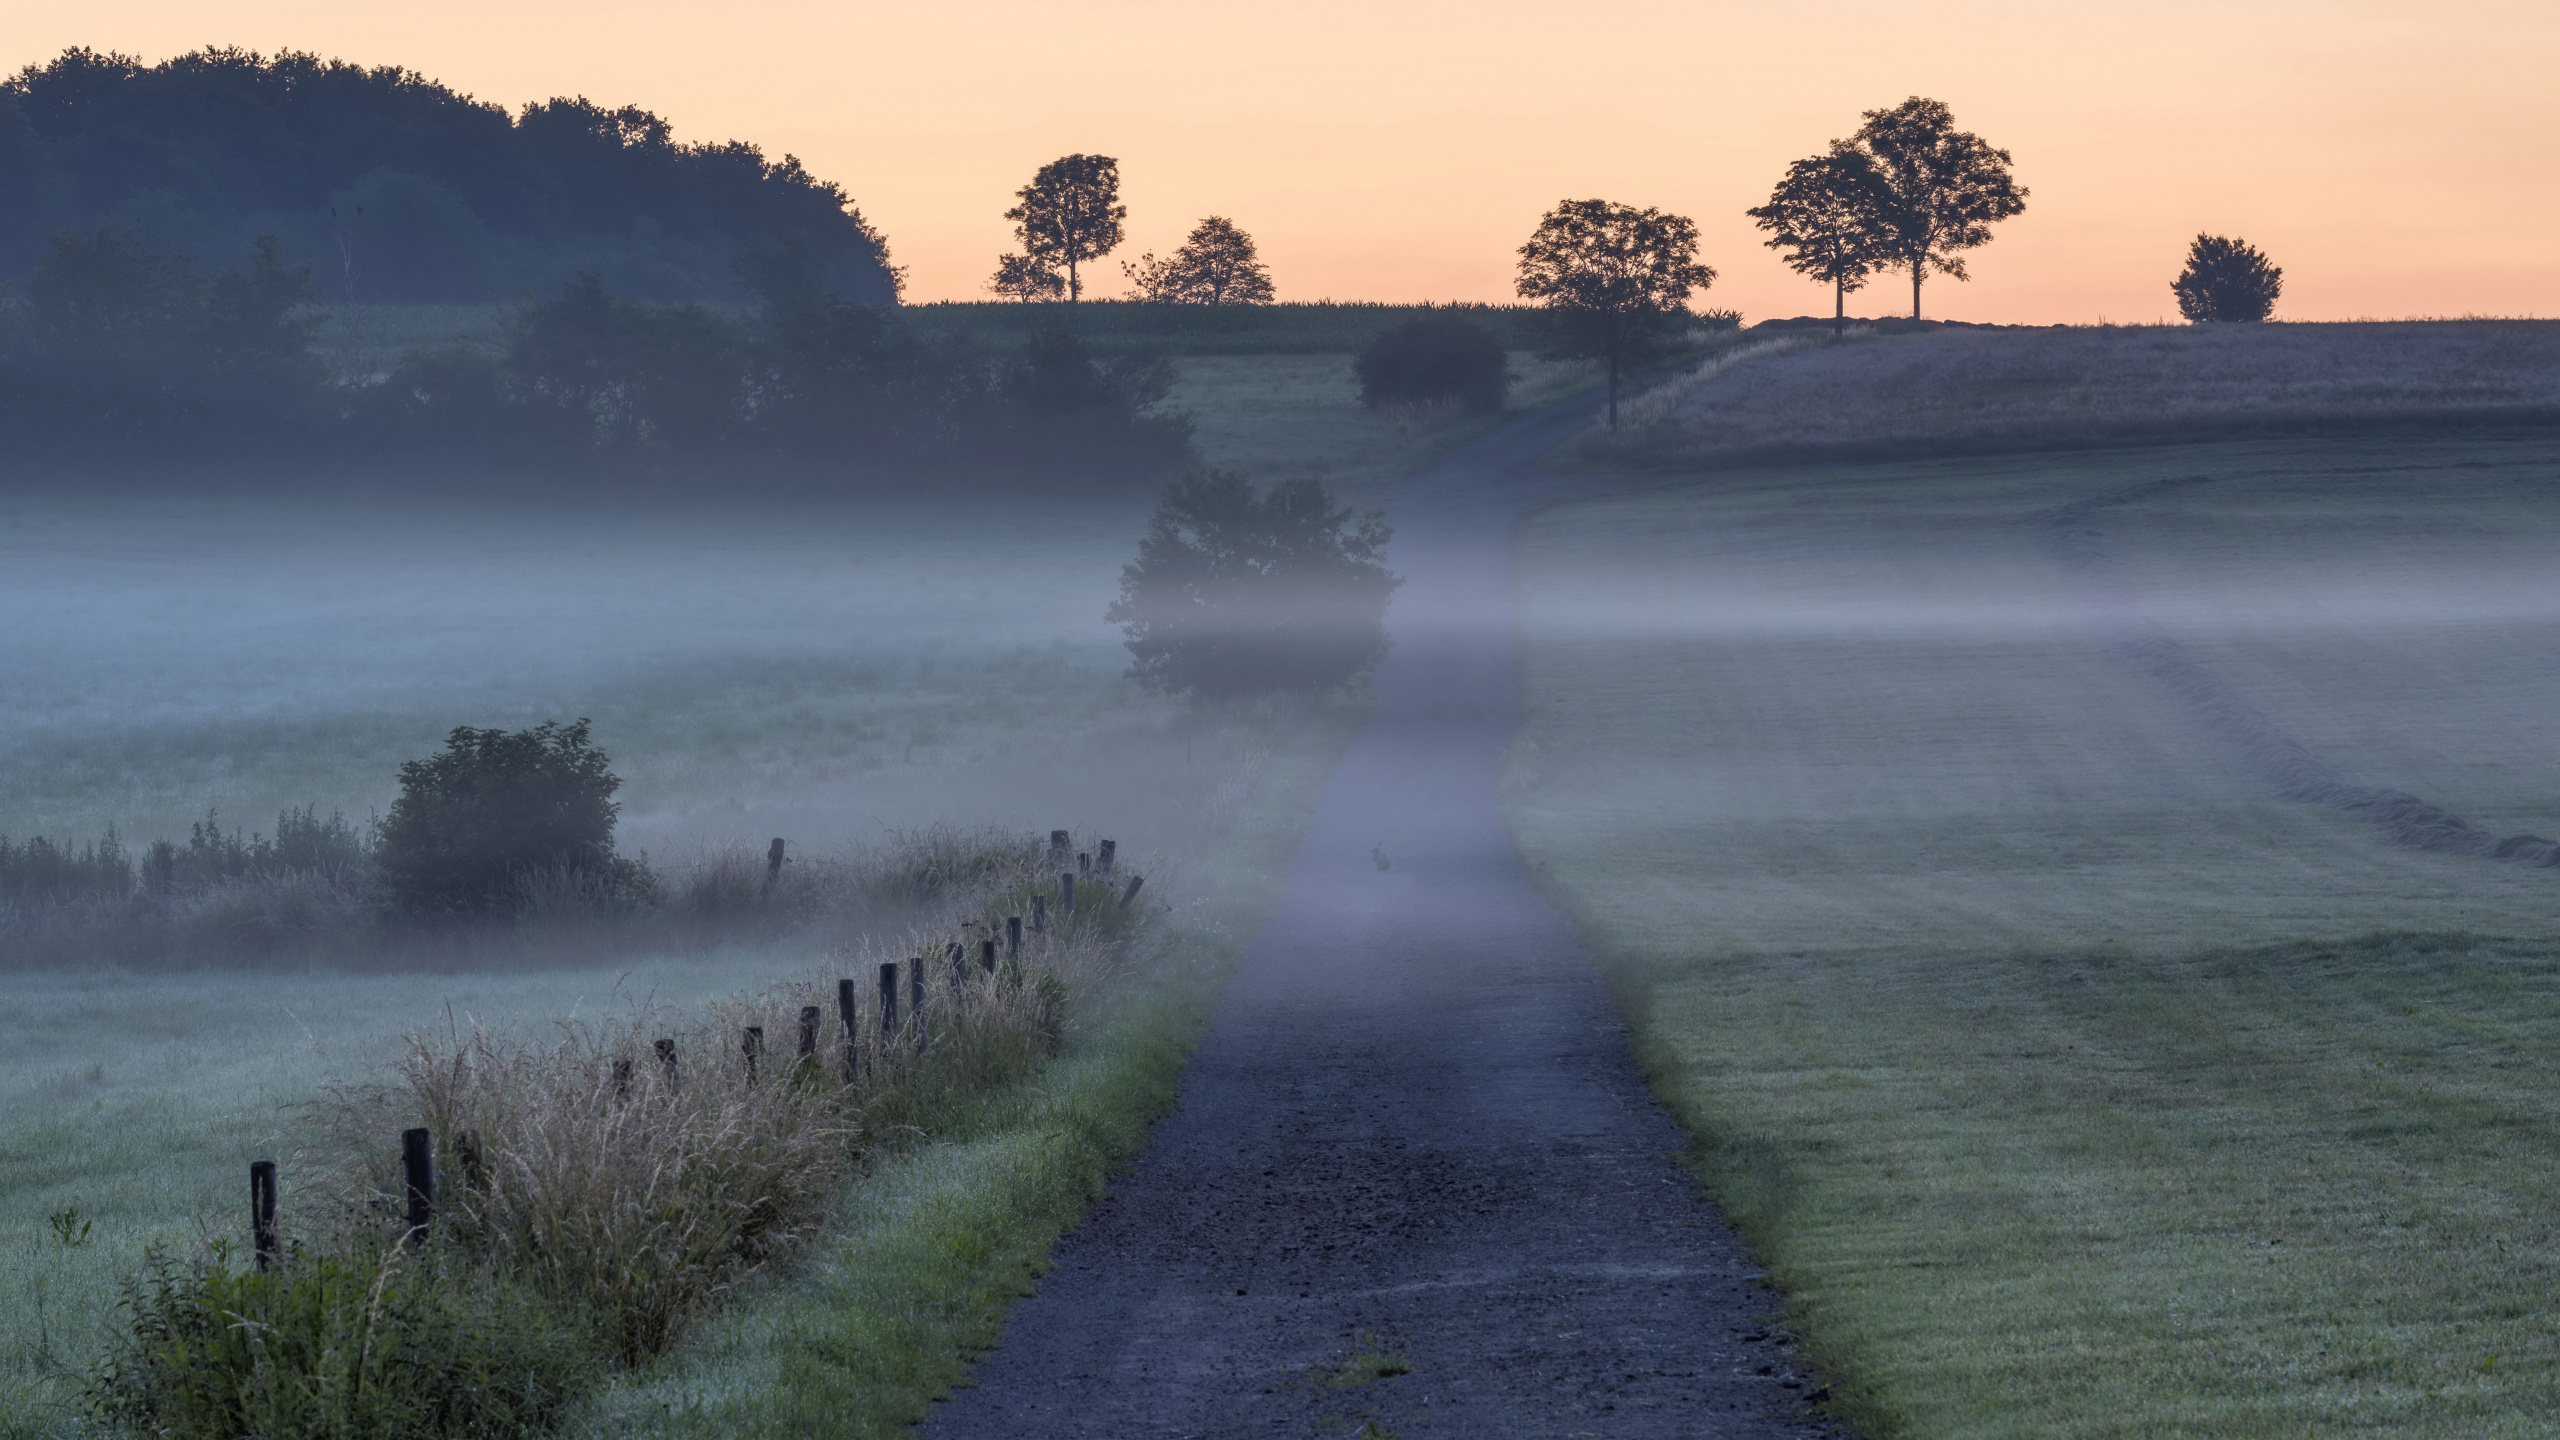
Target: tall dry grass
x,y
1954,389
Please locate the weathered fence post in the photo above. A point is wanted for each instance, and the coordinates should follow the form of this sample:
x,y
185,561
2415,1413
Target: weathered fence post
x,y
1012,936
808,1029
753,1044
987,956
1107,856
773,863
1039,914
1059,843
888,997
262,1213
667,1061
418,1174
1131,893
1067,894
852,1036
1084,863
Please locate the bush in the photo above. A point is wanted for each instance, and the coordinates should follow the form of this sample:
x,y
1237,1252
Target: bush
x,y
1435,359
1236,595
497,813
409,1345
2226,280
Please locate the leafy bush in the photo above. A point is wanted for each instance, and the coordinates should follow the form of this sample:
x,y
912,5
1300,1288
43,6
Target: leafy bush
x,y
1236,595
1435,359
39,870
497,812
407,1345
2226,281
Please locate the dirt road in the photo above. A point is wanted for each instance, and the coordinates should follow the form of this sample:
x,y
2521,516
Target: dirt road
x,y
1414,1130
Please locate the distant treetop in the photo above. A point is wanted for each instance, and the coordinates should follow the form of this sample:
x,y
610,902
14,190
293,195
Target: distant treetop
x,y
396,188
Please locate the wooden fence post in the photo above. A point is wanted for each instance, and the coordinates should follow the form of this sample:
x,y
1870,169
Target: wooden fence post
x,y
753,1044
1107,856
621,1079
667,1061
1131,893
808,1029
418,1174
987,956
1084,863
1012,936
888,998
1058,843
262,1213
852,1036
1067,894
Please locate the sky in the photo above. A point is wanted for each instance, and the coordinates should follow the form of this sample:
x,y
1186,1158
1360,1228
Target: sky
x,y
2395,159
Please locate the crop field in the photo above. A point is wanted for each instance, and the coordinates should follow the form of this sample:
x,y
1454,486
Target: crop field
x,y
2073,1080
832,674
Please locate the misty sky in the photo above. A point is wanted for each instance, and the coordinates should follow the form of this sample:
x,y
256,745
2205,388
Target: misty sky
x,y
2395,158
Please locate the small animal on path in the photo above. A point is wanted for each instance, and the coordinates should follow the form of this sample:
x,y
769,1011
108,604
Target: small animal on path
x,y
1378,853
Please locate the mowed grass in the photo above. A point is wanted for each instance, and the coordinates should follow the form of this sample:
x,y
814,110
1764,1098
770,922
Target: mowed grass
x,y
2070,1083
830,674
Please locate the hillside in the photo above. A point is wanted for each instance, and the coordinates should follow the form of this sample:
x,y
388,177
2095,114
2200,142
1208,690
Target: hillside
x,y
399,189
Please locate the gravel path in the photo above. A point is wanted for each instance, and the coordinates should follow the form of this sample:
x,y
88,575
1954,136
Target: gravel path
x,y
1414,1129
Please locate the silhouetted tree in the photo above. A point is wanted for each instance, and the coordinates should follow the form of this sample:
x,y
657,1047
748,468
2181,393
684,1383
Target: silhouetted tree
x,y
1434,358
1019,277
1236,595
2226,280
1823,214
1215,266
496,809
1070,213
1616,281
1942,189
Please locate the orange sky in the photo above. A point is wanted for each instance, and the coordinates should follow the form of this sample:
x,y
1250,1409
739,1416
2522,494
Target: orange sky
x,y
2396,159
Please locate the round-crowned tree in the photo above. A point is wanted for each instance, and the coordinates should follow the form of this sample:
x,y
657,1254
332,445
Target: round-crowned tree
x,y
1435,360
496,809
2226,280
1236,595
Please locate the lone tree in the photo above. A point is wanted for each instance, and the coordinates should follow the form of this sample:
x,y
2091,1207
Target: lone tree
x,y
1019,277
1942,189
2226,280
1069,213
1215,266
1824,215
1616,281
496,809
1235,596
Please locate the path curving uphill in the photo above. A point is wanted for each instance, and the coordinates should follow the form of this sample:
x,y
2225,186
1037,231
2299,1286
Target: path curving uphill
x,y
1415,1129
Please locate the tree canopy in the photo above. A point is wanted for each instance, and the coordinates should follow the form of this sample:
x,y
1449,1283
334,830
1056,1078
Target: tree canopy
x,y
2227,280
1215,266
1824,215
399,188
1616,281
1941,189
1070,213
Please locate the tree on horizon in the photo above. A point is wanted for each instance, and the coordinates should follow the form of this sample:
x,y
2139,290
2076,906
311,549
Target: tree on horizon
x,y
1070,213
1215,266
2227,280
1616,281
1824,215
1942,189
1019,277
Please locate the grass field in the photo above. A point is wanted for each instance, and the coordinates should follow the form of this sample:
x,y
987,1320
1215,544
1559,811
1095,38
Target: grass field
x,y
831,675
2070,1082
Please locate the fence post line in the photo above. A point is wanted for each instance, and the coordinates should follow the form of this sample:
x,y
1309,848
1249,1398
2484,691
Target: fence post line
x,y
262,1213
418,1176
1058,843
753,1043
1131,893
987,956
852,1035
808,1029
1012,936
888,998
1084,863
1107,856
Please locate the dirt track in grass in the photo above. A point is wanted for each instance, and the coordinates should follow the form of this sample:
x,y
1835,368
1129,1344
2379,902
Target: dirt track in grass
x,y
1415,1134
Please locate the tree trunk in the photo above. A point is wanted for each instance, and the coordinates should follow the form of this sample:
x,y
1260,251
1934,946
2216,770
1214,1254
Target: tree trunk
x,y
1918,268
1839,305
1075,287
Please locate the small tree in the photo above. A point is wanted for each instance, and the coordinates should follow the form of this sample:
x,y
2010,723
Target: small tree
x,y
2226,280
1070,213
1215,266
1823,214
1432,359
1942,189
496,809
1236,595
1019,277
1616,281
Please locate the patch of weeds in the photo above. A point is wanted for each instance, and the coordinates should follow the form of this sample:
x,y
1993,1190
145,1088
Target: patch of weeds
x,y
70,1227
1375,1363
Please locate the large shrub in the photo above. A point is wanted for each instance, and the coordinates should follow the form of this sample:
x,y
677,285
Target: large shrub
x,y
2227,281
1236,595
1435,360
497,811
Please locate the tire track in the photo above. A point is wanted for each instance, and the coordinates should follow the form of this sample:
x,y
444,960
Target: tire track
x,y
2077,540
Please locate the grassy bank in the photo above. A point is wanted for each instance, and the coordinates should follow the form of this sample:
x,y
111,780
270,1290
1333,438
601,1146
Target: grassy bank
x,y
2070,1081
